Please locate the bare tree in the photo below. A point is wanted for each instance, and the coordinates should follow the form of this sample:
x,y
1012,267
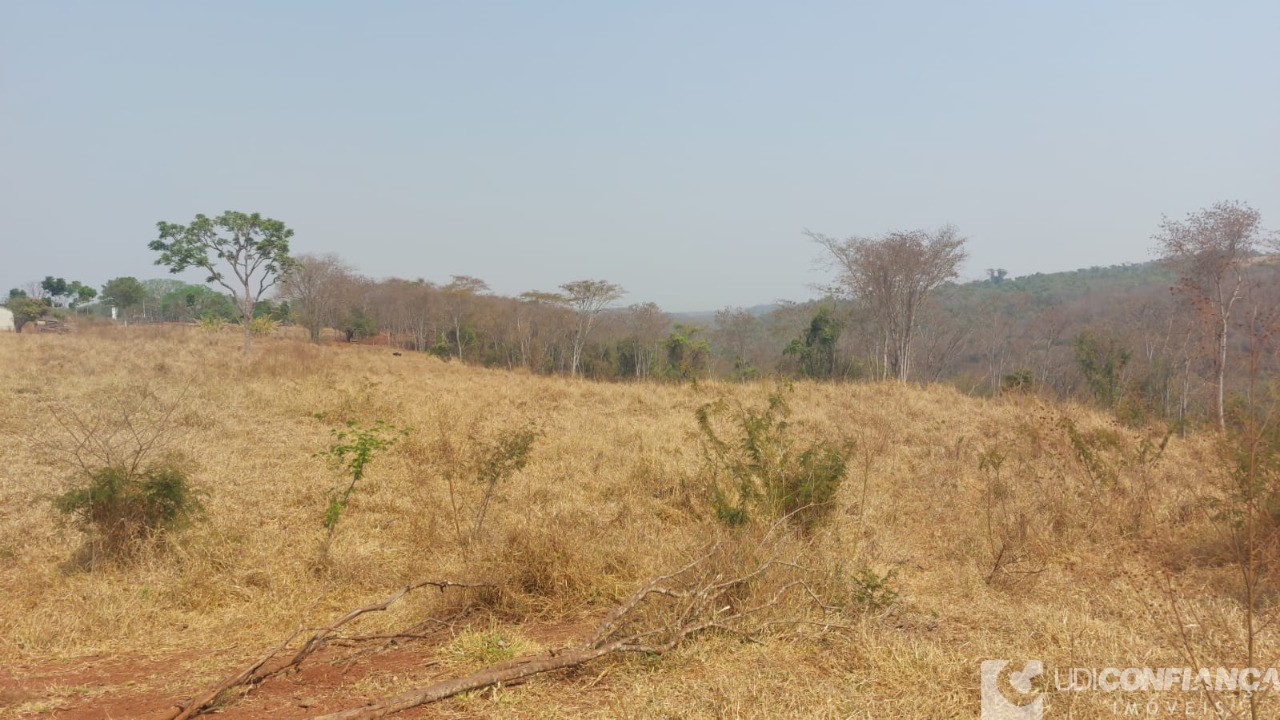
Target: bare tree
x,y
944,334
647,327
1212,249
313,287
422,303
536,325
733,331
588,298
459,296
892,274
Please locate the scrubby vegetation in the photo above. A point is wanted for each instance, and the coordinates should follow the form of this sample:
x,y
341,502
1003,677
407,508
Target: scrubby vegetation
x,y
934,530
119,508
763,468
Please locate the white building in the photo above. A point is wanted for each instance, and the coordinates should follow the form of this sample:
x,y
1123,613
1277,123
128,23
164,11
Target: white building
x,y
6,319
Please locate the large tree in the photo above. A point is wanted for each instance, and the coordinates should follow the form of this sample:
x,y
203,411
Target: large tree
x,y
67,294
25,308
157,289
255,249
1211,249
587,298
892,275
124,293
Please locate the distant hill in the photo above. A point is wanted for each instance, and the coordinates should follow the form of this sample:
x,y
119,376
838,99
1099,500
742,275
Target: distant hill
x,y
707,317
1072,284
1045,287
1042,289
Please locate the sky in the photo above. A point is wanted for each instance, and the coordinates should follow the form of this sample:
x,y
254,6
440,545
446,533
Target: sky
x,y
678,149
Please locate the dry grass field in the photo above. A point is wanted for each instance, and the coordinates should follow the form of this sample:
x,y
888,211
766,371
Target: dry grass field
x,y
1073,542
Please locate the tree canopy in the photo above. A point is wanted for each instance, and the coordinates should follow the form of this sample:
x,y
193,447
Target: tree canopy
x,y
255,249
124,293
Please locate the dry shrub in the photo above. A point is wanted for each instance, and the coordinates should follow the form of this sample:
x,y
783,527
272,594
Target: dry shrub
x,y
545,561
564,559
605,501
1070,483
127,487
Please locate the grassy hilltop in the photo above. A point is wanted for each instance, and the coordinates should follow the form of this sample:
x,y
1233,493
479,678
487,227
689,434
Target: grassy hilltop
x,y
965,529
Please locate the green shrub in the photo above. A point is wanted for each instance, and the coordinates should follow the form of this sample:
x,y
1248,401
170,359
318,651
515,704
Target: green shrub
x,y
119,508
352,451
1018,381
210,322
263,326
475,470
873,592
688,356
765,467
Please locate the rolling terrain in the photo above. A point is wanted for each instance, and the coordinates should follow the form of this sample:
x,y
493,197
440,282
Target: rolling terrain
x,y
965,529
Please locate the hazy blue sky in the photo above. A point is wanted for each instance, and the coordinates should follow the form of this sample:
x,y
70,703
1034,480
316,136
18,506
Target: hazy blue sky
x,y
676,148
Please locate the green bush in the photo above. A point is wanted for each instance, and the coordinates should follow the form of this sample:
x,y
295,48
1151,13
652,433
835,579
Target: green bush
x,y
1018,381
119,508
263,326
352,451
211,322
764,467
873,592
474,471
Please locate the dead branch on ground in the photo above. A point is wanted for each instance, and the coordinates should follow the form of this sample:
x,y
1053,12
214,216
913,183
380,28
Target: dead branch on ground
x,y
262,669
720,591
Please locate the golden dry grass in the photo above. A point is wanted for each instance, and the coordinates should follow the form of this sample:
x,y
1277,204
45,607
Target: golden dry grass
x,y
609,498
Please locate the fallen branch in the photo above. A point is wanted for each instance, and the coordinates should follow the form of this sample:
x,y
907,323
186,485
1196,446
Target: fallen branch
x,y
509,672
259,671
698,598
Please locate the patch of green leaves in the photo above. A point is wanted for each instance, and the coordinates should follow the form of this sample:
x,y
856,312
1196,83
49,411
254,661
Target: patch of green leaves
x,y
353,450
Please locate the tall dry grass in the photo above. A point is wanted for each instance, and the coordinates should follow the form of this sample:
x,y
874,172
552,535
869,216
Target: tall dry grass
x,y
1003,537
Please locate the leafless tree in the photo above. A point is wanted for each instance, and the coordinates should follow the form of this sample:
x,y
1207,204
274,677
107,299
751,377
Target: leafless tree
x,y
733,331
1212,249
459,296
537,324
891,275
587,298
647,325
314,288
944,333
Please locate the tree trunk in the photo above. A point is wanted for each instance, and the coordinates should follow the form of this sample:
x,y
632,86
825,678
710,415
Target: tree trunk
x,y
247,312
1222,374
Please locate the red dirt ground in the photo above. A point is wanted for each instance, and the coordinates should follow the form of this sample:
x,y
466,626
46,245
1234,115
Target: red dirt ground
x,y
100,687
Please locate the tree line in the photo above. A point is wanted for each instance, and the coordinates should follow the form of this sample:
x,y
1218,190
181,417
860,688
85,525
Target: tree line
x,y
1152,341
